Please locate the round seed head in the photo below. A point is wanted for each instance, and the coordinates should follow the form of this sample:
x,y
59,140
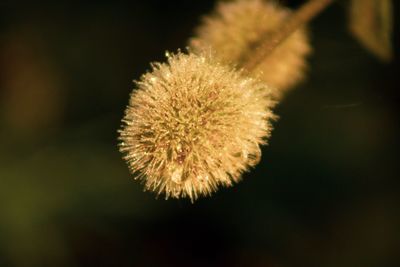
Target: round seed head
x,y
193,124
234,30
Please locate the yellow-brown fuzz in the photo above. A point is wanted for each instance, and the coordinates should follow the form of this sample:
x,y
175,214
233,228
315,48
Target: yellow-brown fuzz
x,y
193,125
234,30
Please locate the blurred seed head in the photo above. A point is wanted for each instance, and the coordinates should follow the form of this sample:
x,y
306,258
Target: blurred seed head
x,y
234,30
193,124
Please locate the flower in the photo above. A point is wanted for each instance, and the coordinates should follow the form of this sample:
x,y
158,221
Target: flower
x,y
193,124
236,28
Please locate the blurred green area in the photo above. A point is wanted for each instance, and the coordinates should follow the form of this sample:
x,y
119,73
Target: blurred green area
x,y
326,192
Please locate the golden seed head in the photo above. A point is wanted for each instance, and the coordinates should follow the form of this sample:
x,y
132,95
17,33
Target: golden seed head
x,y
236,27
193,125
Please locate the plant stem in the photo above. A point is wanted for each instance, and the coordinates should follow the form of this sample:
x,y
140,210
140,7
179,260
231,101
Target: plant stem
x,y
273,39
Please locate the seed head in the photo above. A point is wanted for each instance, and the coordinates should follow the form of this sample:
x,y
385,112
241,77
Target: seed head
x,y
234,30
193,124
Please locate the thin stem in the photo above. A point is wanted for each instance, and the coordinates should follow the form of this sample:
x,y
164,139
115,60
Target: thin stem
x,y
273,39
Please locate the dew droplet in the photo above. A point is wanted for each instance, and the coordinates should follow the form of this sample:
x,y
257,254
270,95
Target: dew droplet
x,y
176,176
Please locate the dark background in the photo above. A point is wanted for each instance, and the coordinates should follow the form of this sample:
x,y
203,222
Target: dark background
x,y
326,192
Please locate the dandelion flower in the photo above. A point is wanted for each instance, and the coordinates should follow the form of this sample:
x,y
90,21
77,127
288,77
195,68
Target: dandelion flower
x,y
193,125
236,28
